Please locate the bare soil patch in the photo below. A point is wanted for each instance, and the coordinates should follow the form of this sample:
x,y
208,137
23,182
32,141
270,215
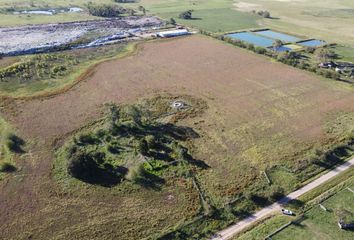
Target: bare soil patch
x,y
260,113
45,37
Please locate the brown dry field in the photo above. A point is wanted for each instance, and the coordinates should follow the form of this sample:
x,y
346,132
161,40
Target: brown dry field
x,y
260,112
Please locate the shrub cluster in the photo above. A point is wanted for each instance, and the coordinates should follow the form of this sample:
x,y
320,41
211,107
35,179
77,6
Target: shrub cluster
x,y
37,67
262,13
186,14
106,10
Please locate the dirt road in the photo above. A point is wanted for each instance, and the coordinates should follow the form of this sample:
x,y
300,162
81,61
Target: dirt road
x,y
232,230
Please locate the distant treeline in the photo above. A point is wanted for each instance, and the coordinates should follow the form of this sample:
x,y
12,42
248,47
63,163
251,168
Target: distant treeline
x,y
106,10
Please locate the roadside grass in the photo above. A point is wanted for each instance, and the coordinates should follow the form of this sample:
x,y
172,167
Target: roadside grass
x,y
332,194
264,228
48,73
320,224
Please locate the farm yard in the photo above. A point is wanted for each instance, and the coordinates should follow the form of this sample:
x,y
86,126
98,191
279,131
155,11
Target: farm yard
x,y
248,110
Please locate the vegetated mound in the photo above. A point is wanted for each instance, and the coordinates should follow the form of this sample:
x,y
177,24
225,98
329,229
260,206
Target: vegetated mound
x,y
136,142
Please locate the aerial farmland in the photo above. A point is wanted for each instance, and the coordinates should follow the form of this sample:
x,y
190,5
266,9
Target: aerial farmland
x,y
174,119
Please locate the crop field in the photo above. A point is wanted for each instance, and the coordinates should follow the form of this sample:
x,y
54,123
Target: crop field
x,y
330,20
258,116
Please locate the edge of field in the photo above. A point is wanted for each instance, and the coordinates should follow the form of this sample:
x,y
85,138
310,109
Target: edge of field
x,y
73,79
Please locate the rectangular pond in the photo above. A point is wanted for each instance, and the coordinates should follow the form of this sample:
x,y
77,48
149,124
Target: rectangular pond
x,y
252,38
281,49
312,43
280,36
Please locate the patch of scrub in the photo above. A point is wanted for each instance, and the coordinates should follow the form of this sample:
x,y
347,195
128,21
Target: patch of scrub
x,y
43,73
10,144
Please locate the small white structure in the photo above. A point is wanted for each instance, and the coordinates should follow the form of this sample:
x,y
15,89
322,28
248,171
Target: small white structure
x,y
173,33
178,105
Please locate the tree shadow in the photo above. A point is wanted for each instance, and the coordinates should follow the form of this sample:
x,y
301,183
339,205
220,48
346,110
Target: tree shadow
x,y
15,144
294,203
161,156
334,157
198,163
176,132
241,213
86,169
149,181
8,168
260,201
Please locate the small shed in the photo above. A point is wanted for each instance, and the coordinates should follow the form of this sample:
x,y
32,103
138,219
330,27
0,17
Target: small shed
x,y
173,33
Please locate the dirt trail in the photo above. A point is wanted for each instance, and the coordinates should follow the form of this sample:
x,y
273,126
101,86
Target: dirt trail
x,y
239,82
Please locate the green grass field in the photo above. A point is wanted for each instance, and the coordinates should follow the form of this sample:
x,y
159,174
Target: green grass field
x,y
345,53
209,15
331,20
216,20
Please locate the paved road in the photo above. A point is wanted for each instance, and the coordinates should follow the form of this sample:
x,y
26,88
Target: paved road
x,y
232,230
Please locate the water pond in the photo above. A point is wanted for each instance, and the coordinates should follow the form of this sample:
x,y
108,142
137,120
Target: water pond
x,y
312,43
277,35
252,38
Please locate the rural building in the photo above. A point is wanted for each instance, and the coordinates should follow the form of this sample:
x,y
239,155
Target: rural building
x,y
173,33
